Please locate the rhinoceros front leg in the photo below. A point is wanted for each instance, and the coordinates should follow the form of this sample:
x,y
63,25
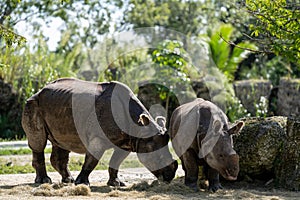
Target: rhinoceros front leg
x,y
191,169
114,164
213,178
59,160
89,165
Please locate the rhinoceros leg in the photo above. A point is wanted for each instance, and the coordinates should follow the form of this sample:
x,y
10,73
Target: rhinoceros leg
x,y
89,165
34,127
191,169
213,178
114,164
38,163
59,160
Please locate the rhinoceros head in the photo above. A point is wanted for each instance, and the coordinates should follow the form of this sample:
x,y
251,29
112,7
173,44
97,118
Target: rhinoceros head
x,y
222,156
151,141
154,154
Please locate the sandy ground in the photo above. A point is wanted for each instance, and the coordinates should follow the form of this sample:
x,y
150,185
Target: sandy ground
x,y
141,184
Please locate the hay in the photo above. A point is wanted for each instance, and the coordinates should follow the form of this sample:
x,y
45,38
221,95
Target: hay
x,y
115,193
22,189
159,197
175,187
125,194
61,190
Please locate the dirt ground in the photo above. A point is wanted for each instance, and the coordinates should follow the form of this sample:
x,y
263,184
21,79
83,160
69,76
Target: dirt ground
x,y
141,184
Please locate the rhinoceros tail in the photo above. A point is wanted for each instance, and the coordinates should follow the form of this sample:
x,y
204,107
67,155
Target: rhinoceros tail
x,y
33,125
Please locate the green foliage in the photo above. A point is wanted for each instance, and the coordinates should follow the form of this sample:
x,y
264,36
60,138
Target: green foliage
x,y
227,57
236,110
182,16
277,26
171,58
85,19
11,37
6,34
122,64
269,69
172,69
36,67
261,107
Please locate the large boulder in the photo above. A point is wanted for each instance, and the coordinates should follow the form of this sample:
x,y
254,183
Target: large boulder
x,y
269,149
259,145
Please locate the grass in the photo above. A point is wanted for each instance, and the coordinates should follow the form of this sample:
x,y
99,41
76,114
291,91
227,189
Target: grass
x,y
16,169
10,163
21,151
17,165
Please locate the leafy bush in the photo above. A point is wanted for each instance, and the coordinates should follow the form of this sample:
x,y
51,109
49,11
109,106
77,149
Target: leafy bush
x,y
269,69
226,57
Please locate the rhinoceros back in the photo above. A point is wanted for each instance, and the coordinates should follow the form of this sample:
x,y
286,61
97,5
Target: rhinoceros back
x,y
53,105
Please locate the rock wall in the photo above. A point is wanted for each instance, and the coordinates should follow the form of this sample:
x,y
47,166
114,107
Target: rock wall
x,y
249,92
288,103
283,100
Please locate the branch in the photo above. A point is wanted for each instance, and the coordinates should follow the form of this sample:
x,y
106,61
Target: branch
x,y
244,48
257,40
8,10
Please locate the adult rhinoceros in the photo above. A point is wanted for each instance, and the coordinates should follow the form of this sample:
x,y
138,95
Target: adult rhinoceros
x,y
201,135
89,118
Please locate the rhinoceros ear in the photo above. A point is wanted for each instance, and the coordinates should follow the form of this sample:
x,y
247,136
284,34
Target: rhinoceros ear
x,y
236,129
144,119
217,126
161,120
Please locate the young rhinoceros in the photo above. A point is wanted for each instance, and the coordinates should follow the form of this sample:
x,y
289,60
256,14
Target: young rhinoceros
x,y
201,136
89,118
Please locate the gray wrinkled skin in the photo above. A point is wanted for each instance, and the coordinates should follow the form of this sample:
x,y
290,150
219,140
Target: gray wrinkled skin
x,y
201,135
89,118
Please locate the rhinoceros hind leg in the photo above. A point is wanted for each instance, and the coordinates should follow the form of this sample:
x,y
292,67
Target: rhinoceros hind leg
x,y
38,163
59,160
34,127
114,164
90,163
